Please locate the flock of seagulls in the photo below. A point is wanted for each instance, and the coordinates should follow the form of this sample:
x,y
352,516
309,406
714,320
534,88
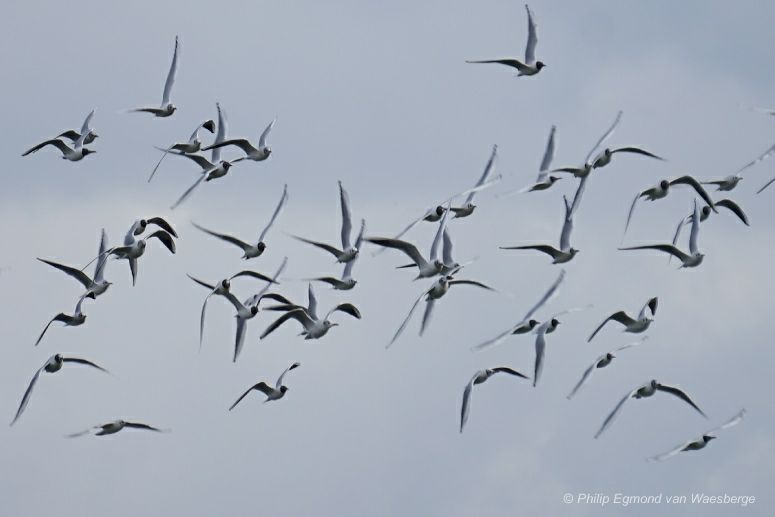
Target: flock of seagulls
x,y
438,267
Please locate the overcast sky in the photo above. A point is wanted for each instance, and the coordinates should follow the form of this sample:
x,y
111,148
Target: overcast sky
x,y
378,95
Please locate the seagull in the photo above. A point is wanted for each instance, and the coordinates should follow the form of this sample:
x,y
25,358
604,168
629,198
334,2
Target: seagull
x,y
135,250
140,225
252,250
96,286
248,310
348,251
166,108
210,171
526,324
193,145
543,329
730,182
480,377
566,252
114,427
52,365
314,327
469,206
661,190
427,268
530,66
77,319
705,213
223,287
73,154
646,390
701,442
605,157
586,168
450,265
347,281
545,180
438,289
694,258
601,362
86,129
251,153
434,214
635,326
271,393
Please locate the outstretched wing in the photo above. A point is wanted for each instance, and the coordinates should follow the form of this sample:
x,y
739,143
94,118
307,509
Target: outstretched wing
x,y
486,174
620,317
688,180
406,320
347,225
227,238
264,134
277,210
26,397
681,395
604,138
466,402
282,375
79,275
612,416
546,162
735,209
170,76
532,38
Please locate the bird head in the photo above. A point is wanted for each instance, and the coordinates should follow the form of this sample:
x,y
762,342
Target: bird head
x,y
225,283
226,165
439,210
254,310
555,322
88,151
328,324
283,389
540,65
552,179
171,108
209,125
438,264
267,150
706,438
609,356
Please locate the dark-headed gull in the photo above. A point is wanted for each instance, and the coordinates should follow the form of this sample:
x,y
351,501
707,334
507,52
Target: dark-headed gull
x,y
646,390
166,108
529,66
526,324
584,170
348,251
601,362
94,286
705,213
250,251
140,225
272,393
545,180
427,268
701,442
693,258
480,377
566,251
439,288
605,157
52,365
86,129
468,206
76,319
347,281
73,154
256,154
635,326
730,182
209,172
193,145
662,189
116,426
135,249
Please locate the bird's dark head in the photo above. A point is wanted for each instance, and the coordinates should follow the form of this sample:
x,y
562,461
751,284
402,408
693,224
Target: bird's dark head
x,y
88,151
653,384
552,179
171,108
664,184
209,125
283,389
705,212
254,310
573,252
226,165
268,150
555,322
439,210
540,65
58,358
328,324
532,324
438,264
706,438
261,247
225,284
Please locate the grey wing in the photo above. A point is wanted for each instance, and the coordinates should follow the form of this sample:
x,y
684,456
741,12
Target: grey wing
x,y
322,245
409,249
254,387
202,319
188,192
234,301
202,283
532,38
59,317
406,320
510,371
486,174
138,425
567,229
26,397
170,76
629,215
254,274
347,308
612,416
667,248
729,423
262,138
494,341
605,136
637,150
681,395
446,250
85,129
765,186
56,143
163,224
546,162
735,209
546,297
165,238
671,452
766,154
239,340
695,230
220,136
437,239
471,282
256,298
312,307
282,375
579,193
619,316
632,344
84,362
466,402
540,352
203,162
678,231
228,238
426,317
99,269
688,180
348,267
587,373
347,225
277,210
299,315
79,275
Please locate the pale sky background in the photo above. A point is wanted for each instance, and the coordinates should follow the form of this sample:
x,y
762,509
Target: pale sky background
x,y
378,94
